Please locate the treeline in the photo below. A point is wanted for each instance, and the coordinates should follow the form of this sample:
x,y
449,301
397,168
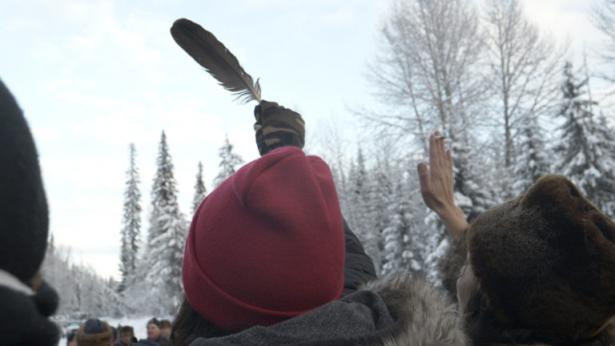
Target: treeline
x,y
510,105
150,269
83,293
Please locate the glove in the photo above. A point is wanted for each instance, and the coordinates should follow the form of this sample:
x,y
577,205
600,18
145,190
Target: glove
x,y
277,126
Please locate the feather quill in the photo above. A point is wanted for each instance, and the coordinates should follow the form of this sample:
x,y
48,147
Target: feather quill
x,y
210,53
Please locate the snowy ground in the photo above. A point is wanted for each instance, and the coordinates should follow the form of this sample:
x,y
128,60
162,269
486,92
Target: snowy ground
x,y
138,323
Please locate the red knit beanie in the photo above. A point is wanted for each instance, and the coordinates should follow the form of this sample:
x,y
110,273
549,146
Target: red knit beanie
x,y
267,244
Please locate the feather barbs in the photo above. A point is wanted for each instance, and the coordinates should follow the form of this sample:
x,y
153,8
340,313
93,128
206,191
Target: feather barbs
x,y
212,55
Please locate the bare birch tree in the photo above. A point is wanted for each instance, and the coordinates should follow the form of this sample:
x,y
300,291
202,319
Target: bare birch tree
x,y
431,70
524,67
428,69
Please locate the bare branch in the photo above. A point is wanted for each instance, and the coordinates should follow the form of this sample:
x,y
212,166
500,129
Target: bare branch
x,y
524,66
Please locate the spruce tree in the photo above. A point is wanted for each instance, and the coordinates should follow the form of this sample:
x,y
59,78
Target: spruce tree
x,y
360,208
398,235
199,189
605,195
341,180
229,162
166,237
587,149
131,229
531,159
472,192
380,192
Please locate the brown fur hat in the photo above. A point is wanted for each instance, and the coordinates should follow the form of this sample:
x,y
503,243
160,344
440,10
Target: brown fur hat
x,y
545,263
94,332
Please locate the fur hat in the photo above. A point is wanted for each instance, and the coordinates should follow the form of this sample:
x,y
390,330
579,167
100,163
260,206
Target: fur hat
x,y
267,244
153,321
94,332
545,263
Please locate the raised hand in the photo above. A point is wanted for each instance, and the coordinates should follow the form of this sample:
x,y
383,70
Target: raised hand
x,y
437,186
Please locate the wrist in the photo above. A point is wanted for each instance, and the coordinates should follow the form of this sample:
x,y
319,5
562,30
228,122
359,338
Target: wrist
x,y
454,219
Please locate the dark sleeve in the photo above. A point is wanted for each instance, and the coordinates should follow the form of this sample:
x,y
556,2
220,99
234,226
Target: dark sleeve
x,y
21,323
358,268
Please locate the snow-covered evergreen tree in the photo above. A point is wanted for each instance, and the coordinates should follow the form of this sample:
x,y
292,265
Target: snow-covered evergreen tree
x,y
199,189
131,229
359,208
605,194
399,235
167,232
343,189
380,192
229,162
586,150
472,193
531,159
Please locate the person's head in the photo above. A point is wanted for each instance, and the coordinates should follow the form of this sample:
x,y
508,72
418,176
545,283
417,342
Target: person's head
x,y
24,229
126,334
541,268
153,329
165,329
270,244
23,205
94,332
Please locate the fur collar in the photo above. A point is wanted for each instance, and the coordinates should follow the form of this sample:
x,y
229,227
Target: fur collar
x,y
9,281
425,315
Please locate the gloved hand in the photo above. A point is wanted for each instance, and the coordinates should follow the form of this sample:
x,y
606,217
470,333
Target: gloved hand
x,y
277,126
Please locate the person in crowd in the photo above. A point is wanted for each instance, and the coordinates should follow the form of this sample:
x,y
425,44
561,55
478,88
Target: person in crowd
x,y
114,335
26,300
71,338
153,329
540,269
297,273
165,329
126,336
94,332
154,334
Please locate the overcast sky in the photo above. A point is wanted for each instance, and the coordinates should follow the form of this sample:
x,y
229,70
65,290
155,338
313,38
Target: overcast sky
x,y
94,75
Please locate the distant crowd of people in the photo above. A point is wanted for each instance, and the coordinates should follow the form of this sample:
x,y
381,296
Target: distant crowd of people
x,y
95,332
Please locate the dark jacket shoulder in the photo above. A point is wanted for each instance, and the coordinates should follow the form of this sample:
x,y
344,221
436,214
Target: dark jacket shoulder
x,y
391,311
